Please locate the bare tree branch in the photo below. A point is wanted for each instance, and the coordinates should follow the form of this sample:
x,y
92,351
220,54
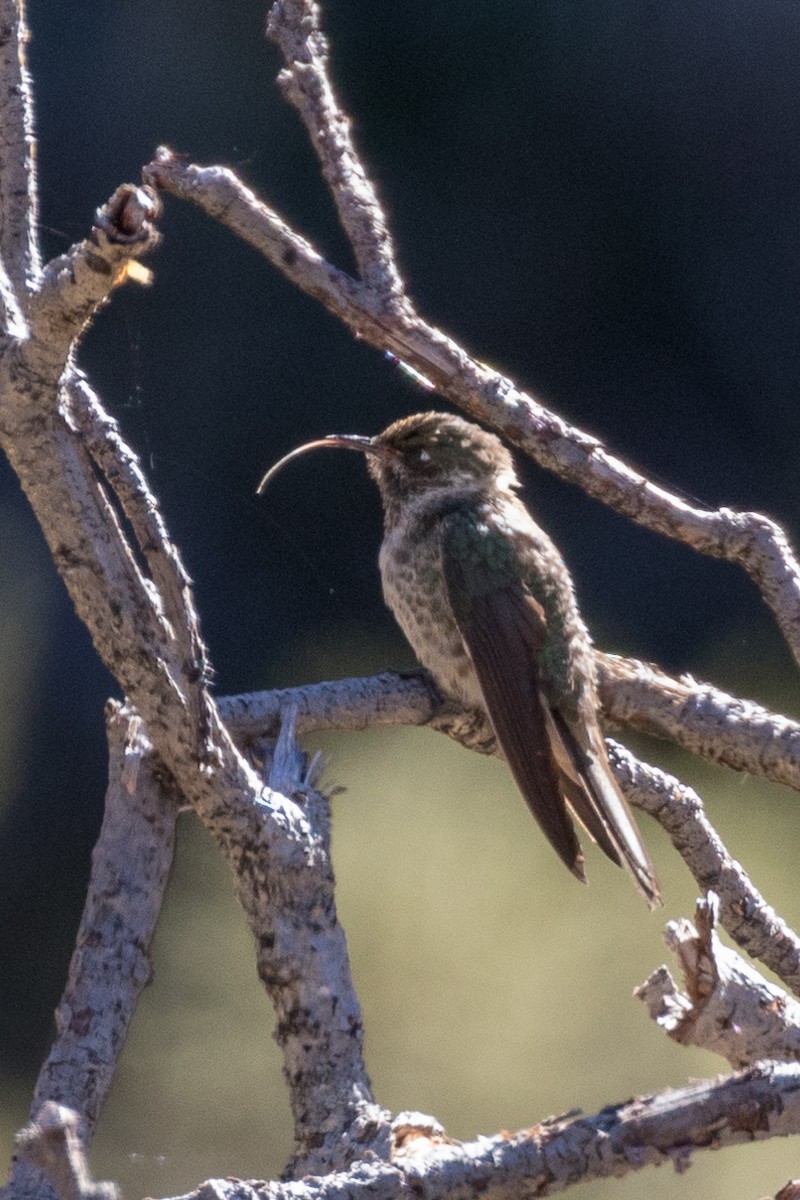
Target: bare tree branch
x,y
19,201
550,1157
697,716
302,958
744,912
702,719
172,586
111,963
73,286
343,704
279,860
387,699
668,1128
52,1146
651,1130
295,27
726,1007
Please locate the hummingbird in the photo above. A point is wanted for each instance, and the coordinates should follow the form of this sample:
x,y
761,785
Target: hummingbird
x,y
488,605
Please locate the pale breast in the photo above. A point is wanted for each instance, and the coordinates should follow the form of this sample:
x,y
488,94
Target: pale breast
x,y
414,589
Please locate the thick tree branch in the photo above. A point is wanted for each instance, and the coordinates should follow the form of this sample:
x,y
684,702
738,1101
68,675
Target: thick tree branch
x,y
273,850
302,958
111,963
667,1128
19,202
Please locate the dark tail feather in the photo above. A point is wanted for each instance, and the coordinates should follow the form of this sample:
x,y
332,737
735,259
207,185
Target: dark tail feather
x,y
593,795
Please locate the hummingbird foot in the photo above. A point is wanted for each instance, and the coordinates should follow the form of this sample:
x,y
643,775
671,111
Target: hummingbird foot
x,y
470,727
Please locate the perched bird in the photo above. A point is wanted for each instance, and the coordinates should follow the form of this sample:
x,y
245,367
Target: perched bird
x,y
487,603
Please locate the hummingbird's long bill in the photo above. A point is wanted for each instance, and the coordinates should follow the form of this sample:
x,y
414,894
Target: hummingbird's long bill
x,y
345,441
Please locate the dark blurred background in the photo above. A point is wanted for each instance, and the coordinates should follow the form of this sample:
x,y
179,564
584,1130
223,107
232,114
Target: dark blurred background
x,y
602,200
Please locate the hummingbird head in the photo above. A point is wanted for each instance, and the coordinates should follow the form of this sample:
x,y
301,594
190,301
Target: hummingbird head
x,y
425,452
437,450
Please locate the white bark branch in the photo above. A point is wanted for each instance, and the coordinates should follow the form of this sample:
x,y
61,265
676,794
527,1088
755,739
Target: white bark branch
x,y
343,704
51,1146
391,699
150,643
725,729
697,716
172,588
73,286
295,27
19,202
726,1007
744,912
302,958
667,1128
556,1154
111,963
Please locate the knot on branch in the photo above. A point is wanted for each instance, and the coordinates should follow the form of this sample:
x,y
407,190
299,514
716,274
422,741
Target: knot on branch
x,y
726,1006
416,1133
128,216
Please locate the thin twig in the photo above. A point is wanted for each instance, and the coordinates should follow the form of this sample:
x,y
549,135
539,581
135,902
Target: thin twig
x,y
294,25
744,912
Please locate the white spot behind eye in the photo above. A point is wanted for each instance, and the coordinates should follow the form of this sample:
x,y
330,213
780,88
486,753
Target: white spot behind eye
x,y
423,456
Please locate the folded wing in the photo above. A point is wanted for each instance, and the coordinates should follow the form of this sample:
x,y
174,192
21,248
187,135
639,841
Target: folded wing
x,y
557,761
